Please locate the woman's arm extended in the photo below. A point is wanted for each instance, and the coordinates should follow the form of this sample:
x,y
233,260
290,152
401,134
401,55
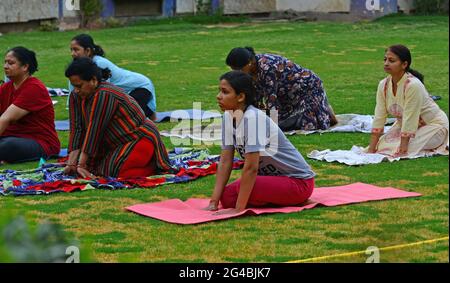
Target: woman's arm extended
x,y
222,177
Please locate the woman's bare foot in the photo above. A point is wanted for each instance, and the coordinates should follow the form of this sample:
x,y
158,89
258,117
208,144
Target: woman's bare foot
x,y
333,119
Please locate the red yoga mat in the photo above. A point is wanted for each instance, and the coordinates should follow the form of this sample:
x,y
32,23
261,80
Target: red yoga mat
x,y
190,211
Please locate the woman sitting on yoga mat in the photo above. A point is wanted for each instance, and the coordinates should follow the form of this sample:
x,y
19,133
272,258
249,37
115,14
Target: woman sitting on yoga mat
x,y
134,84
295,92
27,121
274,172
109,134
421,125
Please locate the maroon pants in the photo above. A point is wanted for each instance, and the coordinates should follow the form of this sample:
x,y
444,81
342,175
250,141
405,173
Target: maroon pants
x,y
270,190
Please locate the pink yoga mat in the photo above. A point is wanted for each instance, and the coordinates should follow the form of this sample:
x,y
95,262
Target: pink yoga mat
x,y
190,211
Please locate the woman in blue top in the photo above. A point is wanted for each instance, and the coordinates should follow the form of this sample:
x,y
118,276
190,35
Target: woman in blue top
x,y
281,85
136,85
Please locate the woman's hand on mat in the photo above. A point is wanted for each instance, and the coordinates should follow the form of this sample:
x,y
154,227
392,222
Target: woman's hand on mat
x,y
84,173
228,211
213,206
70,170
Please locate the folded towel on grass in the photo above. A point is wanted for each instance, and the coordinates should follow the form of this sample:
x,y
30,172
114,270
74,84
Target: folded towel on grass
x,y
357,156
347,123
62,125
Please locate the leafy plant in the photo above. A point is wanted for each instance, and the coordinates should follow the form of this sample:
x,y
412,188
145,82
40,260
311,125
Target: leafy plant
x,y
204,7
90,11
48,25
48,243
431,6
112,22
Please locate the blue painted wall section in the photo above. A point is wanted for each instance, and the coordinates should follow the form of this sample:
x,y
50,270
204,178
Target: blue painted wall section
x,y
373,8
108,9
169,8
60,9
215,6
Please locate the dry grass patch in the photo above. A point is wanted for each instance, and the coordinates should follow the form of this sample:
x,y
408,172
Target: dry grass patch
x,y
427,174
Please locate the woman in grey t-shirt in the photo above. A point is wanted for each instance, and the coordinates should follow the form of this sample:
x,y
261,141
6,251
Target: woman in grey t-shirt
x,y
274,172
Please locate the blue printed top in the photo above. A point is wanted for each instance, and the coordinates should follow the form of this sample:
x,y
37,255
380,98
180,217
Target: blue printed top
x,y
295,92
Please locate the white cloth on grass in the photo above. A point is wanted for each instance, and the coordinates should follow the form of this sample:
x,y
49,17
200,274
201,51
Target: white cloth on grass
x,y
358,156
347,123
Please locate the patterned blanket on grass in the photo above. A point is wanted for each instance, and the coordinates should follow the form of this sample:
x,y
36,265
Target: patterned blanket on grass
x,y
49,178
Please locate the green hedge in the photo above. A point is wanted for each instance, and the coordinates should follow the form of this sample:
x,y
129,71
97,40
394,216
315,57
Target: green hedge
x,y
431,6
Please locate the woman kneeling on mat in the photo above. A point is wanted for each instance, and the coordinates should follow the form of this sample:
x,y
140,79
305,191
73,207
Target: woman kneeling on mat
x,y
27,121
274,172
134,84
109,134
295,92
421,125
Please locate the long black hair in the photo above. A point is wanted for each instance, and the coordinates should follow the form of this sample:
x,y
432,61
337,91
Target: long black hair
x,y
86,41
241,83
86,69
405,56
25,57
240,56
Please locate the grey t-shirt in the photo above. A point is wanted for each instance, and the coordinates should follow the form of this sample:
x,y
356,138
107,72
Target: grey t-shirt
x,y
256,132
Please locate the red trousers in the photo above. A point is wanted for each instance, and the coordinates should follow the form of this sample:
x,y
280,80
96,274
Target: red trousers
x,y
140,162
270,190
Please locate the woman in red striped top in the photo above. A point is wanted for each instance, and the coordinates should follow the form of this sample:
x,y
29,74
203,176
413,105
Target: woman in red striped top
x,y
109,133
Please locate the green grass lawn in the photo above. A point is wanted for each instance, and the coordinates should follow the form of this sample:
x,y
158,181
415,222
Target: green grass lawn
x,y
184,61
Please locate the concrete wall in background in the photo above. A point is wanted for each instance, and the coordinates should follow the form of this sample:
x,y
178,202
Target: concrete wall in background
x,y
406,6
21,11
185,6
27,11
323,6
318,6
249,6
363,8
372,9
